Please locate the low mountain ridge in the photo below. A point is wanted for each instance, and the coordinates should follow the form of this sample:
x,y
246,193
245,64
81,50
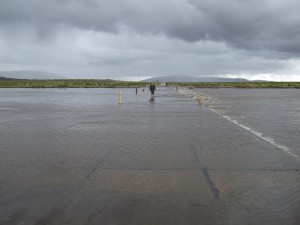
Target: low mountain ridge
x,y
30,74
5,78
193,79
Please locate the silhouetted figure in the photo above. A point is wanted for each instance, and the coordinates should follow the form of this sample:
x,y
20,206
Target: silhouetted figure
x,y
152,89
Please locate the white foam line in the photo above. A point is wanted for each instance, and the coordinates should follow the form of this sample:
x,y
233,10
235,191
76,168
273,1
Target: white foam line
x,y
258,134
250,130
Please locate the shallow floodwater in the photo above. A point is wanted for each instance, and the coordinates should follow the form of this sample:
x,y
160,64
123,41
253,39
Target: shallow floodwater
x,y
76,156
272,114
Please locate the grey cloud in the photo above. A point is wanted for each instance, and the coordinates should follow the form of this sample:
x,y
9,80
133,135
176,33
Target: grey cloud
x,y
173,18
251,25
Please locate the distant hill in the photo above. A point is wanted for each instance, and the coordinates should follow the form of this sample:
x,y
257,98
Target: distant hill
x,y
5,78
30,74
261,81
193,79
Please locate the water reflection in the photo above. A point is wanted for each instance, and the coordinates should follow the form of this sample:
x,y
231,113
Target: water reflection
x,y
151,100
200,106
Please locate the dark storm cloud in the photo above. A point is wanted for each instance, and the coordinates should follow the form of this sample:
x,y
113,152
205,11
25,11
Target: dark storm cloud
x,y
254,24
251,25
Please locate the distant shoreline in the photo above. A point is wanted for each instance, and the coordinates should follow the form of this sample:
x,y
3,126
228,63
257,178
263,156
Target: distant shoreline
x,y
93,83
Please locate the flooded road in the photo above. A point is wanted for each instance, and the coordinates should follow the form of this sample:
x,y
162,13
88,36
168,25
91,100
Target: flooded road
x,y
75,156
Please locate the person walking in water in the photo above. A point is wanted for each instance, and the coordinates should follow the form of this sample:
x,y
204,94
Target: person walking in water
x,y
152,89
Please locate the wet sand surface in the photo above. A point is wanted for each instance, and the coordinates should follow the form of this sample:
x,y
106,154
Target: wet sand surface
x,y
77,157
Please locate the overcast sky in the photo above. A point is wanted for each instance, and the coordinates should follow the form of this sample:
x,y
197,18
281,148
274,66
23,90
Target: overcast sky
x,y
134,39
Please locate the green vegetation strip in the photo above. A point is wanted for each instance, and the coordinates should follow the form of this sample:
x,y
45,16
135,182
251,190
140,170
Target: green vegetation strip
x,y
78,83
240,84
93,83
